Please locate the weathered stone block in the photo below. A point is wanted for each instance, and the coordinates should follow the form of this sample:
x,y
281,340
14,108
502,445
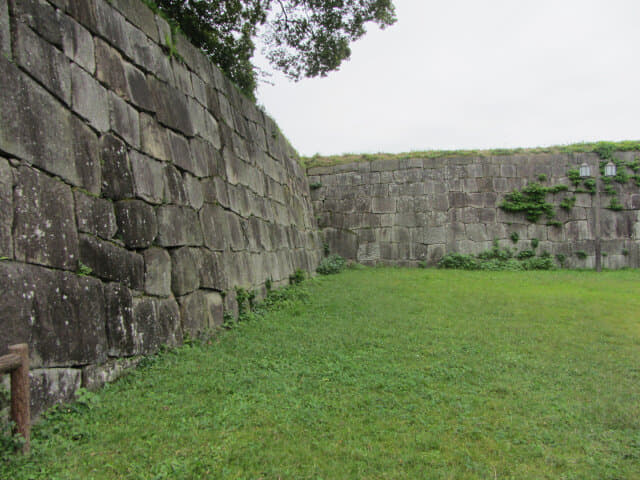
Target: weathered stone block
x,y
121,331
110,68
140,15
178,226
157,272
169,330
175,186
211,271
148,177
89,99
51,386
47,64
194,191
117,179
95,376
5,30
154,138
185,270
206,160
136,223
41,17
111,262
171,107
138,88
77,44
146,325
342,242
95,215
124,120
59,314
44,230
36,128
6,209
201,312
383,205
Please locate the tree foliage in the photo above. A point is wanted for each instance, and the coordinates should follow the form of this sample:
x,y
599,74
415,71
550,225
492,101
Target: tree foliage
x,y
302,38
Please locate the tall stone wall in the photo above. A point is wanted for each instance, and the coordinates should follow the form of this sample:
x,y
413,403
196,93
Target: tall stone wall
x,y
137,190
404,212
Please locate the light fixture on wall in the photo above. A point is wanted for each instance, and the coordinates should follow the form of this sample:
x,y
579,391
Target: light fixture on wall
x,y
585,170
610,169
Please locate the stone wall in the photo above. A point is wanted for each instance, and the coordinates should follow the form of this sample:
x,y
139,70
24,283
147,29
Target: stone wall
x,y
137,190
404,212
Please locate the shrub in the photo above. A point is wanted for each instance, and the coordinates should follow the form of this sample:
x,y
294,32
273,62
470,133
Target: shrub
x,y
458,261
331,264
297,277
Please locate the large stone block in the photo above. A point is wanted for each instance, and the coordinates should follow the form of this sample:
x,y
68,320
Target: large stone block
x,y
171,107
95,376
212,218
5,30
178,226
59,314
124,120
95,215
110,68
111,262
181,155
211,271
121,331
137,223
47,64
154,138
117,179
157,272
6,209
140,15
51,386
185,270
201,312
206,159
175,191
138,88
148,177
194,191
44,222
342,242
36,128
89,99
77,44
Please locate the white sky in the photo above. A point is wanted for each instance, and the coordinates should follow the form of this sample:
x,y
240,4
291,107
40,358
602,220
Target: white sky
x,y
460,74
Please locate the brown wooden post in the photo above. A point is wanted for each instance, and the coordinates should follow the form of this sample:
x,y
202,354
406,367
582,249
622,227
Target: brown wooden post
x,y
20,406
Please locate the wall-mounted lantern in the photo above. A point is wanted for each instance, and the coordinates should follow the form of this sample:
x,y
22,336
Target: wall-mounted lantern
x,y
610,169
585,170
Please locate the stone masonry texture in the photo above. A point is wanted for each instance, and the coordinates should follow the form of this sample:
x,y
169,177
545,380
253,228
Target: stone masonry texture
x,y
414,211
137,191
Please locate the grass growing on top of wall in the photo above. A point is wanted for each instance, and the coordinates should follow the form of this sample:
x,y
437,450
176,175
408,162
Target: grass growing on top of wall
x,y
381,373
320,160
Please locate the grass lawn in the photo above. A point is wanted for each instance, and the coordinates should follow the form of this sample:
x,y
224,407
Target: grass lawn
x,y
381,373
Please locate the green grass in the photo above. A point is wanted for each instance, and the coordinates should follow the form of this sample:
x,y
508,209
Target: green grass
x,y
381,374
330,160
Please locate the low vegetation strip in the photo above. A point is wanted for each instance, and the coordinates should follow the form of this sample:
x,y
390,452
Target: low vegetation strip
x,y
330,160
379,373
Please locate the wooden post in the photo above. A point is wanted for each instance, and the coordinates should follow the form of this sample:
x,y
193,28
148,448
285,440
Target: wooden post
x,y
20,406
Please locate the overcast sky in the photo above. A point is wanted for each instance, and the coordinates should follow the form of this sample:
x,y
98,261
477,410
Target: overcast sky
x,y
460,74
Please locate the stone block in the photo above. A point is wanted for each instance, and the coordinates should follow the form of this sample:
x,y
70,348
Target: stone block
x,y
206,160
137,223
194,191
178,226
95,215
111,262
175,191
121,331
43,61
148,177
156,323
212,218
124,120
95,376
36,128
169,329
51,386
153,138
5,30
110,68
117,179
140,15
383,205
157,272
185,267
6,209
201,312
89,99
342,242
138,88
211,271
171,107
44,221
59,314
77,44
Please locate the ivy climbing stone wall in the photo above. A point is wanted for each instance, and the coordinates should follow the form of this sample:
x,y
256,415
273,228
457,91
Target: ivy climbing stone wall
x,y
138,189
406,212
